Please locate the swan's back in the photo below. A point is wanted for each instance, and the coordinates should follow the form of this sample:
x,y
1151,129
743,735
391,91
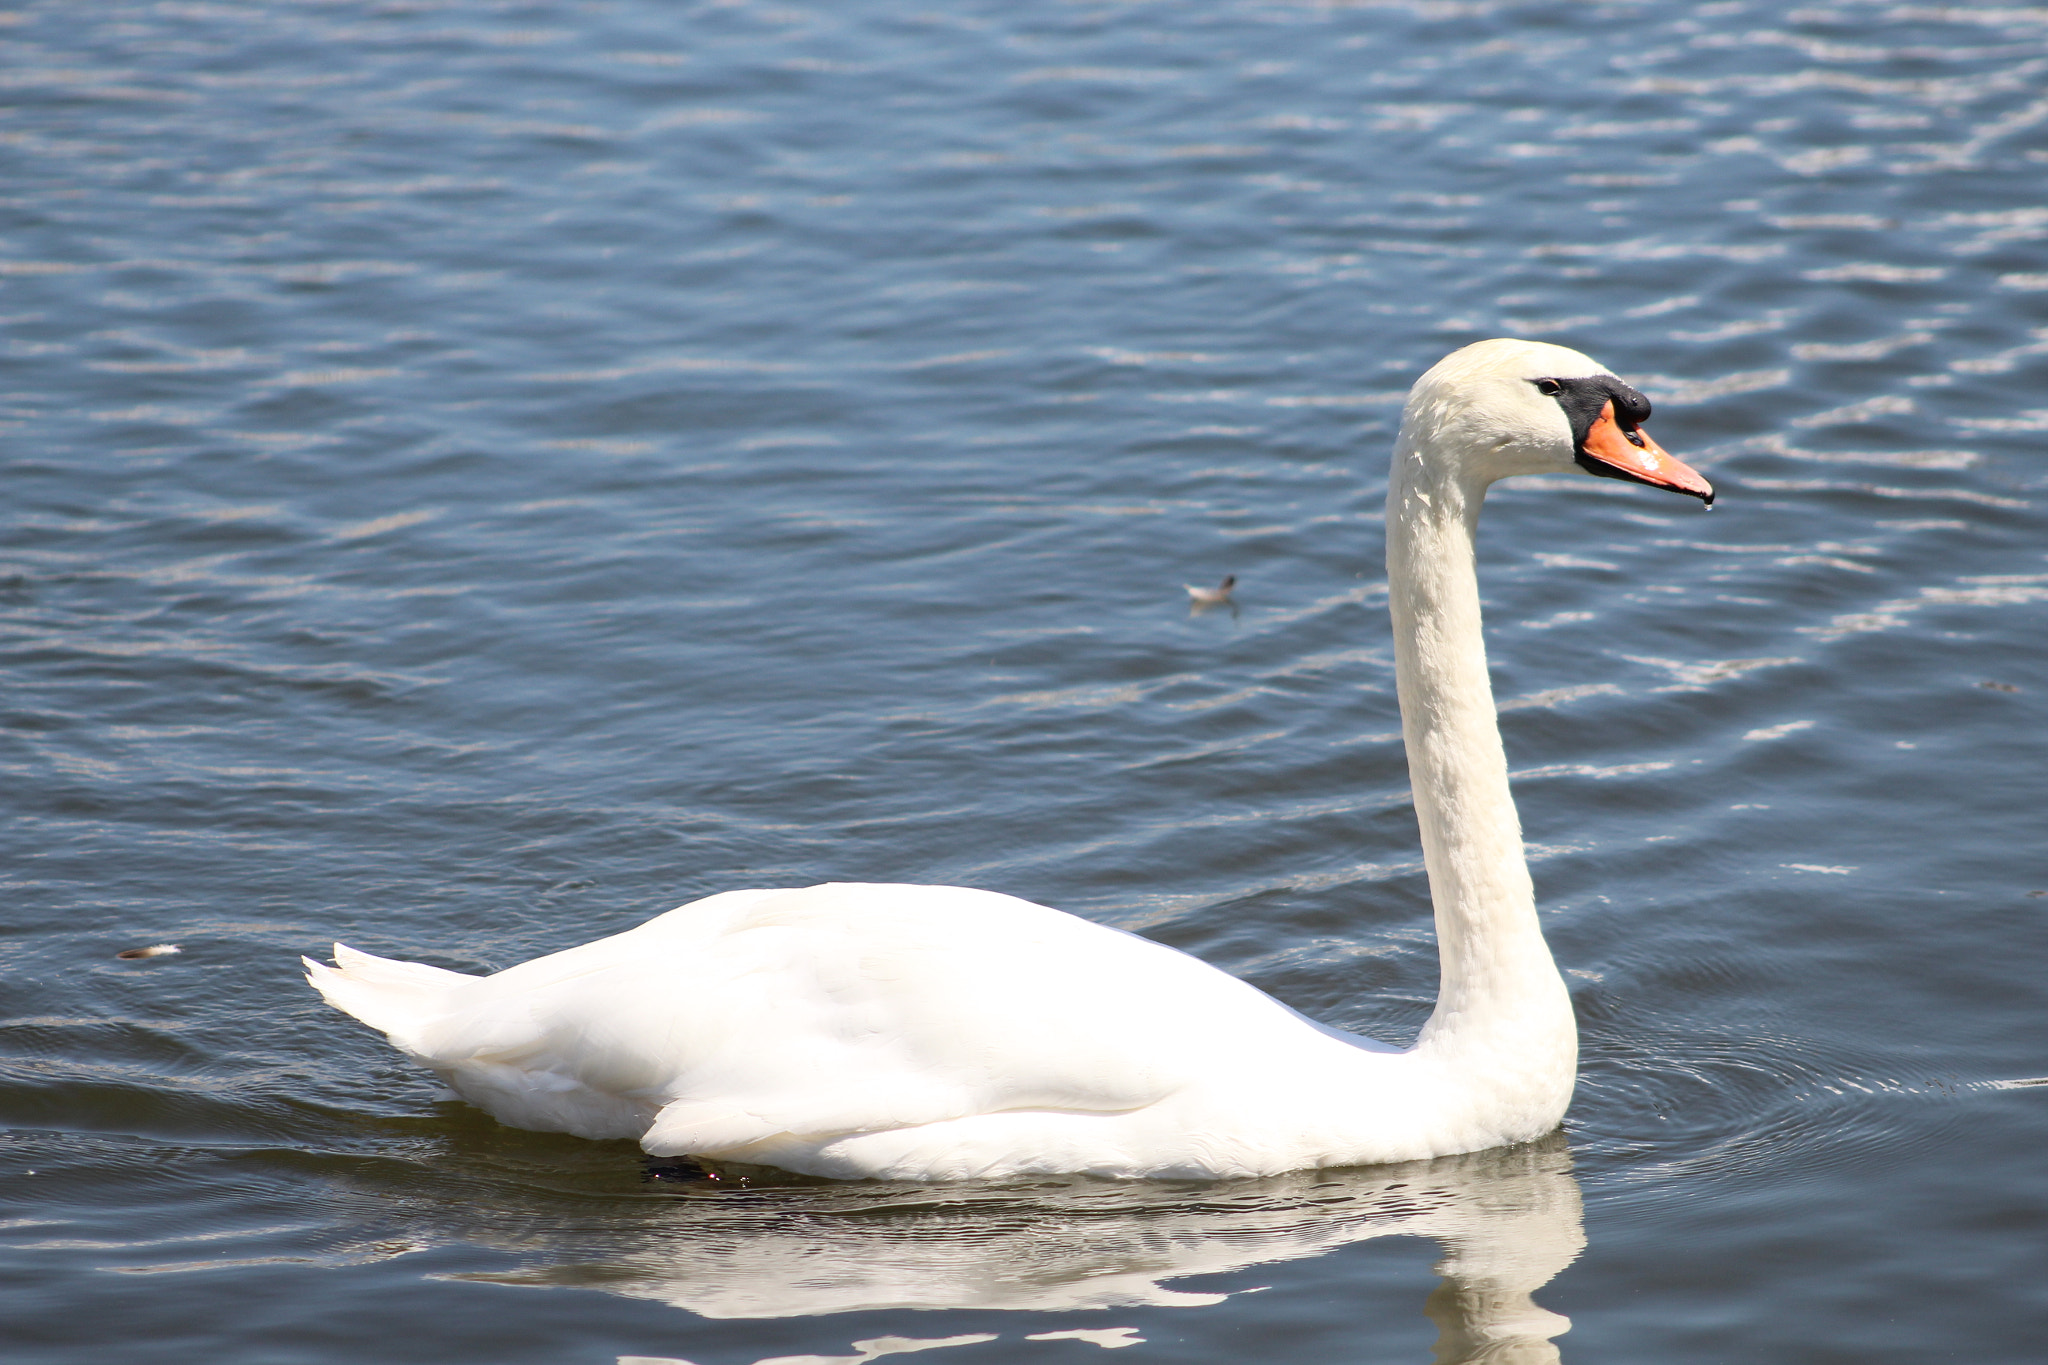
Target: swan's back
x,y
766,1015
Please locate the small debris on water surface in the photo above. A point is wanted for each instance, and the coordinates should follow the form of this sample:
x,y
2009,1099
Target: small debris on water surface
x,y
1203,598
154,950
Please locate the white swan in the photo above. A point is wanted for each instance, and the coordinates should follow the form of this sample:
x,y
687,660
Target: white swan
x,y
938,1033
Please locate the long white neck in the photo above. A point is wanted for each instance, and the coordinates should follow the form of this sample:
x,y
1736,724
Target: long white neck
x,y
1502,1012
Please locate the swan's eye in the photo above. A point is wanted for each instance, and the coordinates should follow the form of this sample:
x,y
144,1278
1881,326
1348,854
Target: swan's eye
x,y
1549,387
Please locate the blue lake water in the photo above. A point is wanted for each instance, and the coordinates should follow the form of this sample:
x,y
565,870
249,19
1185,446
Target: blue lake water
x,y
480,474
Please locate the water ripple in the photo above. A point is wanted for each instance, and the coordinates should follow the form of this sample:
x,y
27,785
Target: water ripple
x,y
479,476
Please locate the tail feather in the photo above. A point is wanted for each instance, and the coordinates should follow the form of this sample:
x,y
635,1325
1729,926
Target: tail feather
x,y
395,998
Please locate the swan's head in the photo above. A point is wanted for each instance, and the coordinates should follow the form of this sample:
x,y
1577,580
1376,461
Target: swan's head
x,y
1500,408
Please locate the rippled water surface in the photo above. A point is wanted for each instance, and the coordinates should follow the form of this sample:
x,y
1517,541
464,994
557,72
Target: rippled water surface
x,y
480,474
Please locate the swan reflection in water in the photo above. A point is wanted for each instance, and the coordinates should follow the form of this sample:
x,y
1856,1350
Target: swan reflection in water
x,y
1508,1220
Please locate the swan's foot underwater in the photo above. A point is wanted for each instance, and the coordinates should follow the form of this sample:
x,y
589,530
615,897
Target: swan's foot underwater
x,y
682,1170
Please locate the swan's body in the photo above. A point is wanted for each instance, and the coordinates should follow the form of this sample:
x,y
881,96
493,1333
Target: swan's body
x,y
924,1032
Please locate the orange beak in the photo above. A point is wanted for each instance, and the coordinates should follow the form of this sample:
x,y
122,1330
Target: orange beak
x,y
1619,452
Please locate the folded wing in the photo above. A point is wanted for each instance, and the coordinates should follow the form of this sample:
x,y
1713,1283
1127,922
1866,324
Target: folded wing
x,y
823,1011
